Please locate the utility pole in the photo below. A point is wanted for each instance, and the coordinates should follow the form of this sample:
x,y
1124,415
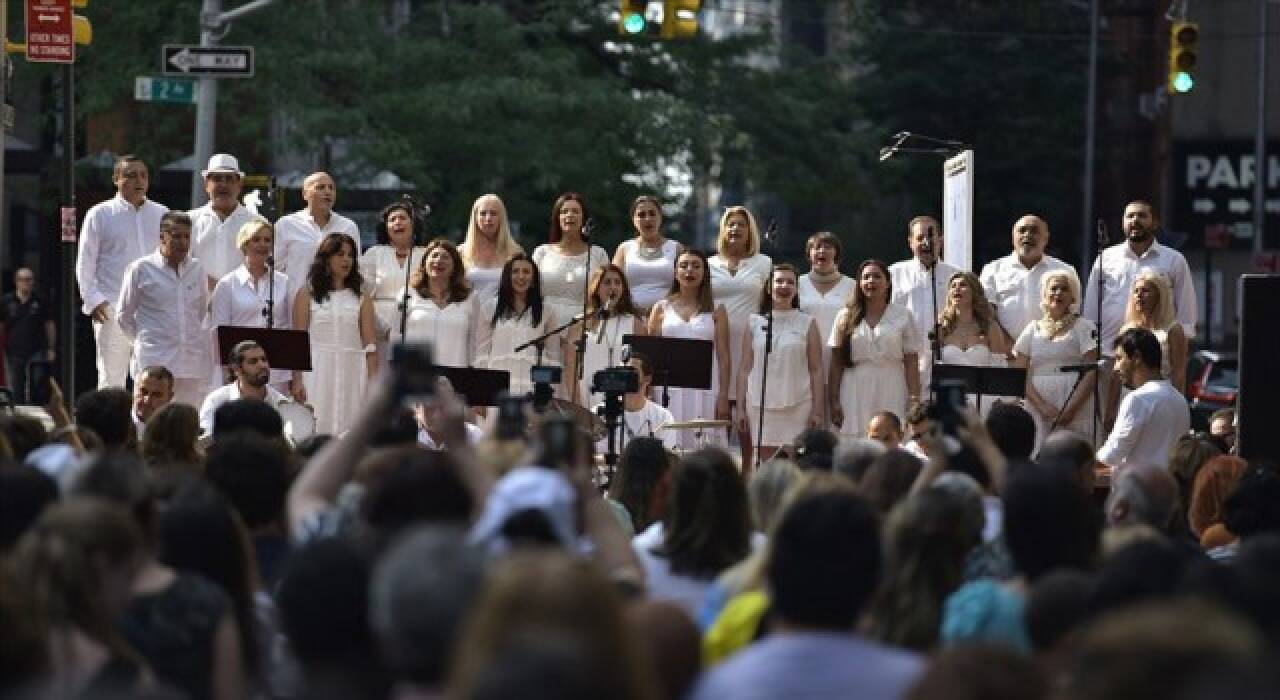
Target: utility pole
x,y
1090,122
214,25
1260,175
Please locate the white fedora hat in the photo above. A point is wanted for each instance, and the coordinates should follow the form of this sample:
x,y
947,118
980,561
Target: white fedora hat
x,y
222,163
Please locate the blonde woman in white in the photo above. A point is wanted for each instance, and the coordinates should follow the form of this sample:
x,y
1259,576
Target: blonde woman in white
x,y
488,245
1061,337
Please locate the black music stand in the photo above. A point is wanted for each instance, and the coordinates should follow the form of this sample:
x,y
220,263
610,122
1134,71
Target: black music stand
x,y
285,348
984,381
679,362
479,387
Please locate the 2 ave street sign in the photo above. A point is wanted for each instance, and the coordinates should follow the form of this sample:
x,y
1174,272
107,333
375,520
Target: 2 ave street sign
x,y
181,91
207,61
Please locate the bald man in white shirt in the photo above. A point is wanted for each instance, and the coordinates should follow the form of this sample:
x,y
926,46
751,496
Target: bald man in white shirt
x,y
298,235
115,233
1012,283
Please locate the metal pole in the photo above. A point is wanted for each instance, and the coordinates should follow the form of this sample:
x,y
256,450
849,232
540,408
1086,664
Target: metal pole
x,y
68,301
4,134
206,103
1090,120
1260,174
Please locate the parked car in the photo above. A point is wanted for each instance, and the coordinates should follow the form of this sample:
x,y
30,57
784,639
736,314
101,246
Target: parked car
x,y
1213,381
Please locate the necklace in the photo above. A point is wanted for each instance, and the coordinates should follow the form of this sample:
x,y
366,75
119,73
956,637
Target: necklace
x,y
645,252
1055,327
825,277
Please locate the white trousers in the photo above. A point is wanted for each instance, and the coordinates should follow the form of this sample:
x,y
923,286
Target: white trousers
x,y
112,356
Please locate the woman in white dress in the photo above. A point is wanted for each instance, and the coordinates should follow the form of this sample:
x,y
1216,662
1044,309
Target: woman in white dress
x,y
241,296
968,330
1061,337
875,359
824,290
648,260
1151,307
604,339
563,263
515,316
738,273
794,398
384,267
488,245
441,306
689,311
339,316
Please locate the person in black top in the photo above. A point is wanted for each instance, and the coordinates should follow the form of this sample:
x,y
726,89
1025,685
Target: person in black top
x,y
29,331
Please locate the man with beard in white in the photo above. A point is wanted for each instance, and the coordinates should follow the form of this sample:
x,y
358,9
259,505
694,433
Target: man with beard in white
x,y
1012,283
641,417
115,233
252,372
911,288
298,235
215,225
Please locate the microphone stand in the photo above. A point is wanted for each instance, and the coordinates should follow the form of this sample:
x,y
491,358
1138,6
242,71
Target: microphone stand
x,y
935,345
270,311
1104,237
1080,374
408,267
580,349
768,350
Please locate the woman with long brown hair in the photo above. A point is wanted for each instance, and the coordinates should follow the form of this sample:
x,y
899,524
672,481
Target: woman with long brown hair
x,y
441,307
334,309
875,363
568,259
609,289
689,312
517,315
385,267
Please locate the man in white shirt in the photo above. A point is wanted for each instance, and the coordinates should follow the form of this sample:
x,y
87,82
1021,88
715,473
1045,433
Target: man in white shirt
x,y
152,391
300,233
642,417
910,280
1012,283
115,233
164,308
1154,414
215,225
248,361
1120,265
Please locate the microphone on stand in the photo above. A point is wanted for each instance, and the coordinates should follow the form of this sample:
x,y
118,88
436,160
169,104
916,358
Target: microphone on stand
x,y
626,353
604,316
771,233
588,229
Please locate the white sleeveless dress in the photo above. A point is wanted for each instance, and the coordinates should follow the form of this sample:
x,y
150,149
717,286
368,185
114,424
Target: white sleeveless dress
x,y
384,276
739,293
562,282
1046,355
823,308
649,279
336,383
976,355
789,397
692,404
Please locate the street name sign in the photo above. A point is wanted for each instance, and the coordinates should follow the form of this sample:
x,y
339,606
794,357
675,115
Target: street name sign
x,y
207,61
178,91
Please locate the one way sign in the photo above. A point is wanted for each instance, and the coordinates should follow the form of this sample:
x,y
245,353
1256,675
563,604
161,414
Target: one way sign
x,y
211,61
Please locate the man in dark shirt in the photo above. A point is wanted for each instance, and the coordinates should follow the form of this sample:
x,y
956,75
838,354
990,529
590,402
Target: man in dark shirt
x,y
29,331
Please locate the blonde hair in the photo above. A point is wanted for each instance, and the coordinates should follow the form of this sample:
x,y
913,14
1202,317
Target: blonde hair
x,y
506,245
1072,282
1163,316
251,227
753,231
982,312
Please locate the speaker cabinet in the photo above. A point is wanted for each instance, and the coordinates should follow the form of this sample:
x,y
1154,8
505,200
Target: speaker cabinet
x,y
1257,430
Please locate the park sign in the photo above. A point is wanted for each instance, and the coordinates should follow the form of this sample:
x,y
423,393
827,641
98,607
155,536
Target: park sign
x,y
1212,193
207,61
50,32
178,91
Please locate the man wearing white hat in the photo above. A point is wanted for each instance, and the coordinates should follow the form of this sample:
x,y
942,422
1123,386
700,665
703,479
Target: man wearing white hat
x,y
214,226
298,235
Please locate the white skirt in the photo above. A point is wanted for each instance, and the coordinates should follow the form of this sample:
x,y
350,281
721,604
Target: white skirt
x,y
781,425
867,389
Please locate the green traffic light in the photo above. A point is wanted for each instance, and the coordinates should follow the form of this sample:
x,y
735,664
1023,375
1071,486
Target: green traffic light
x,y
1183,82
633,23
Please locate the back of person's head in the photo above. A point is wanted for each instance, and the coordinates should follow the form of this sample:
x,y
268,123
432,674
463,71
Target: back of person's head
x,y
24,433
980,672
643,466
707,526
172,434
889,478
1254,507
815,449
967,494
1145,494
423,589
1150,651
1216,480
1057,605
247,414
253,473
323,602
766,489
544,666
399,430
415,486
25,492
854,457
1048,523
1067,450
1142,571
1012,429
1189,454
121,478
108,413
672,641
552,595
825,562
927,537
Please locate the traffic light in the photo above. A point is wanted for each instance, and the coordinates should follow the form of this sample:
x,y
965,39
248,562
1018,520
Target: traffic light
x,y
632,20
680,19
1184,55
